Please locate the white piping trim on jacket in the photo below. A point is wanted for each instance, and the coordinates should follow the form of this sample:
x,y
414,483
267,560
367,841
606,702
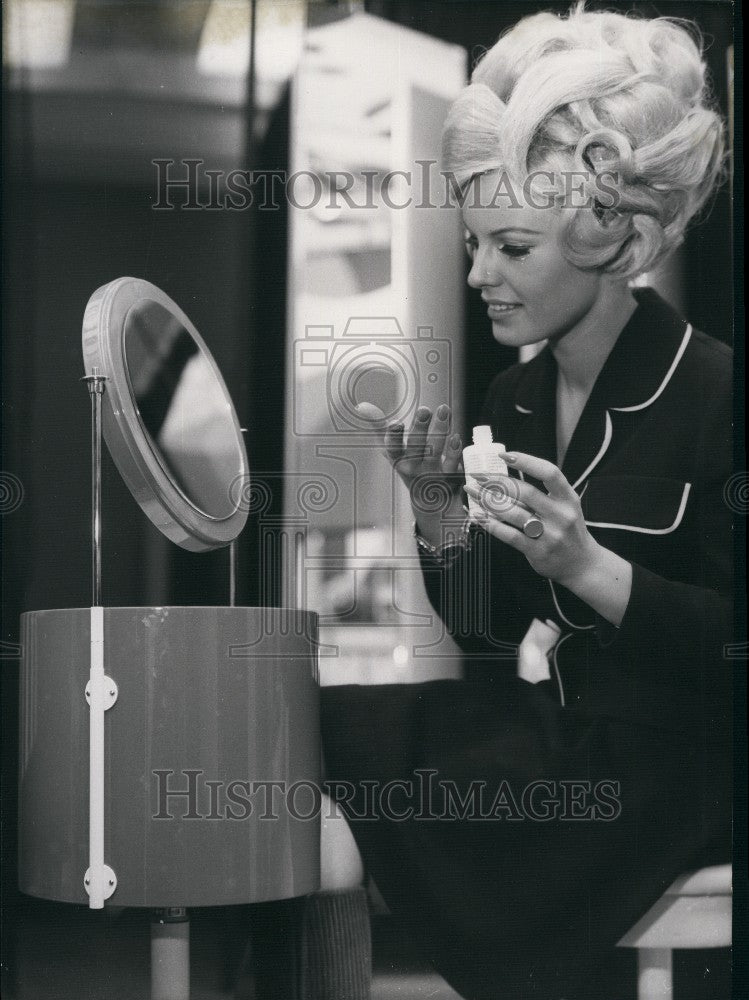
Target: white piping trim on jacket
x,y
556,666
608,433
650,531
579,628
602,451
666,380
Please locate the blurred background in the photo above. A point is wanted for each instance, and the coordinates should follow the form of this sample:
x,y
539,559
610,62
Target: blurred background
x,y
129,130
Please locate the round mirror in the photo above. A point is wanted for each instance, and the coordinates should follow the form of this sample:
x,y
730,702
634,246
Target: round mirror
x,y
167,415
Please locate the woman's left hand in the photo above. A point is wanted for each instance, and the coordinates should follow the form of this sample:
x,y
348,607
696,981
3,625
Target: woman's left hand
x,y
565,551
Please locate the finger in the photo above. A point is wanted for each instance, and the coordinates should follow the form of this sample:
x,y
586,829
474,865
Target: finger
x,y
439,428
416,444
451,463
505,533
546,472
500,506
394,442
524,494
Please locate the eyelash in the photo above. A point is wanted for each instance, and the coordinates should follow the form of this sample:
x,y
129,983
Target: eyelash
x,y
515,251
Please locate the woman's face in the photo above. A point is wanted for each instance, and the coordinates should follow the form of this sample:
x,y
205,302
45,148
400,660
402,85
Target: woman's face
x,y
532,292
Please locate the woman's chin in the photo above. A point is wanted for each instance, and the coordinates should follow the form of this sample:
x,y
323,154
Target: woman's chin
x,y
511,336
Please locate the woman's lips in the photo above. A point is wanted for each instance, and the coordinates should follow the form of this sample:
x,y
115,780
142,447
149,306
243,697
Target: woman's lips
x,y
502,308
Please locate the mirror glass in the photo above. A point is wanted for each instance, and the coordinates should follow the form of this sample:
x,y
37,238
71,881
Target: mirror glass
x,y
182,405
167,415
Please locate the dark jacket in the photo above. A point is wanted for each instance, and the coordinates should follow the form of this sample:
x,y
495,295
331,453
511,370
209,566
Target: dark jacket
x,y
651,459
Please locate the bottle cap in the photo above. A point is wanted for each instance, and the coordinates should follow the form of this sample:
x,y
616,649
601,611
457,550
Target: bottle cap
x,y
482,435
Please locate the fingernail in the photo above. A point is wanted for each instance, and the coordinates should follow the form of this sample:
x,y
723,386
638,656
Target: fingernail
x,y
442,411
423,413
455,441
510,458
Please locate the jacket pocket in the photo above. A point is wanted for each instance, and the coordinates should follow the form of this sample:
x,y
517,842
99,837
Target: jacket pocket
x,y
647,505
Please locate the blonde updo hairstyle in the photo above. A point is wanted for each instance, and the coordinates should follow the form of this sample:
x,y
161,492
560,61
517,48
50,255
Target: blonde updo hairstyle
x,y
619,99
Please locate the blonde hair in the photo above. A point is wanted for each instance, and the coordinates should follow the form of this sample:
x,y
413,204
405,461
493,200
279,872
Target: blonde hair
x,y
619,99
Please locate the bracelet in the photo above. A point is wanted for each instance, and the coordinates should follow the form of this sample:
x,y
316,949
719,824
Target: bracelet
x,y
449,548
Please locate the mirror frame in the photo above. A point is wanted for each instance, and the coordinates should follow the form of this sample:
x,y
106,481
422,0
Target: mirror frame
x,y
132,449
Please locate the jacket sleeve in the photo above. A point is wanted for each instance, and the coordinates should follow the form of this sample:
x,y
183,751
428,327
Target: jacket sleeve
x,y
683,621
472,592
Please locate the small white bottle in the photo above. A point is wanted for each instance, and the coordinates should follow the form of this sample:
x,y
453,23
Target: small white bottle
x,y
483,456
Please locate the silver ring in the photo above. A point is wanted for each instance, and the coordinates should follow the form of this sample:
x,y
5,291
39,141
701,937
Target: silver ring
x,y
533,527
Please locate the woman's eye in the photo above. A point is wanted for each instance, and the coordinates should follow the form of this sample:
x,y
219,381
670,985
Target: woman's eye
x,y
515,250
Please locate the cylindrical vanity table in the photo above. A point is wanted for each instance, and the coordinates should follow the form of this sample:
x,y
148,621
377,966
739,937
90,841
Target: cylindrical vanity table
x,y
169,755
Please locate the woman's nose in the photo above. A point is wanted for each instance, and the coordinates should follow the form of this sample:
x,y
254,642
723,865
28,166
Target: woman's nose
x,y
483,272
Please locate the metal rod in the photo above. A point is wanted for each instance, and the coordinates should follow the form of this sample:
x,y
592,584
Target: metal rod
x,y
299,570
96,497
233,573
95,384
234,557
100,879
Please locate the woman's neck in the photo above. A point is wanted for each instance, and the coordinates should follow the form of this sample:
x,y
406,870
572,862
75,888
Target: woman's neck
x,y
581,353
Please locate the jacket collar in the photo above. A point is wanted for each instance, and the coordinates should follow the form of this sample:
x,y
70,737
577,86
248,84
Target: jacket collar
x,y
636,372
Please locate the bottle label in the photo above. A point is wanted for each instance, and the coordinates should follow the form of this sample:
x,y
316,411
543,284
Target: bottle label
x,y
488,463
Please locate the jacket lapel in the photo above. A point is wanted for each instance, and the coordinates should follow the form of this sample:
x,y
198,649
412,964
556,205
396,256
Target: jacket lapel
x,y
535,405
634,375
589,443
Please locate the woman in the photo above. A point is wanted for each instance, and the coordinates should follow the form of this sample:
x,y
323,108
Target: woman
x,y
583,762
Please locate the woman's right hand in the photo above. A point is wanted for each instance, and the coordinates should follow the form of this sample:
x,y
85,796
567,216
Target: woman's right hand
x,y
428,460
